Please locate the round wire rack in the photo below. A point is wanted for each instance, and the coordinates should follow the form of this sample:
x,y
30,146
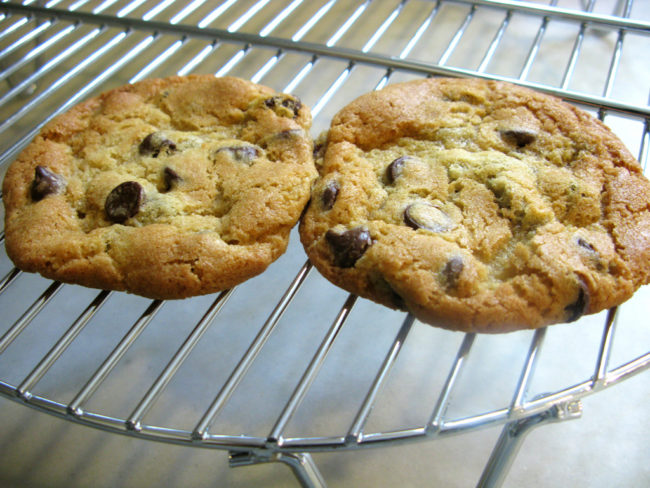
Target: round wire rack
x,y
287,364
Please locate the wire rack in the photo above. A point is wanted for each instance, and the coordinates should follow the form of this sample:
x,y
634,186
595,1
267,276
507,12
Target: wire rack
x,y
286,364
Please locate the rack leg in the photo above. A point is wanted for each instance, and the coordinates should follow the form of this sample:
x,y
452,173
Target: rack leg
x,y
512,437
302,465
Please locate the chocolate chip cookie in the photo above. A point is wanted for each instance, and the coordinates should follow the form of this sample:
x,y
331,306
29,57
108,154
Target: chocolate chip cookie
x,y
166,188
478,206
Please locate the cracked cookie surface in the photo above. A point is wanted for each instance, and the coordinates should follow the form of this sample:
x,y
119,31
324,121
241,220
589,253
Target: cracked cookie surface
x,y
478,206
166,188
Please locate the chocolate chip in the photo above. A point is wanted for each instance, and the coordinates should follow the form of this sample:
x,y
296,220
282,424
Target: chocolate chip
x,y
584,244
241,154
277,102
289,134
423,215
154,143
273,142
589,252
124,201
319,150
171,178
45,183
520,137
394,169
348,246
452,270
580,306
331,191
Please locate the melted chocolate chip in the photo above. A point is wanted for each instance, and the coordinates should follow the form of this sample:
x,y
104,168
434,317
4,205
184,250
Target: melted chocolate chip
x,y
45,183
452,270
154,143
171,178
279,101
520,137
242,154
394,169
328,198
580,306
423,215
348,246
124,201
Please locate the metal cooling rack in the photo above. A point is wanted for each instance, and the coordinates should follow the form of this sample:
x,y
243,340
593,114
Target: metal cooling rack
x,y
283,365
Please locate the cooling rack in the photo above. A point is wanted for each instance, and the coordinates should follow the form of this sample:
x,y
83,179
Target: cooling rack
x,y
286,364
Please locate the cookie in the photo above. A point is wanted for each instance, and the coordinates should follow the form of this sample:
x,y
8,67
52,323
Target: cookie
x,y
166,188
478,206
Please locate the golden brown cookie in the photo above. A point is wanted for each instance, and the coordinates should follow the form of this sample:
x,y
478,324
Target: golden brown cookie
x,y
478,206
166,188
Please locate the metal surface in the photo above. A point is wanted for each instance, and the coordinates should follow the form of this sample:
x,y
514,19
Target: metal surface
x,y
288,328
512,437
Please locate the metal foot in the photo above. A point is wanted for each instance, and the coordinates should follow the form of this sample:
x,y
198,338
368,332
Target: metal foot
x,y
512,437
302,465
